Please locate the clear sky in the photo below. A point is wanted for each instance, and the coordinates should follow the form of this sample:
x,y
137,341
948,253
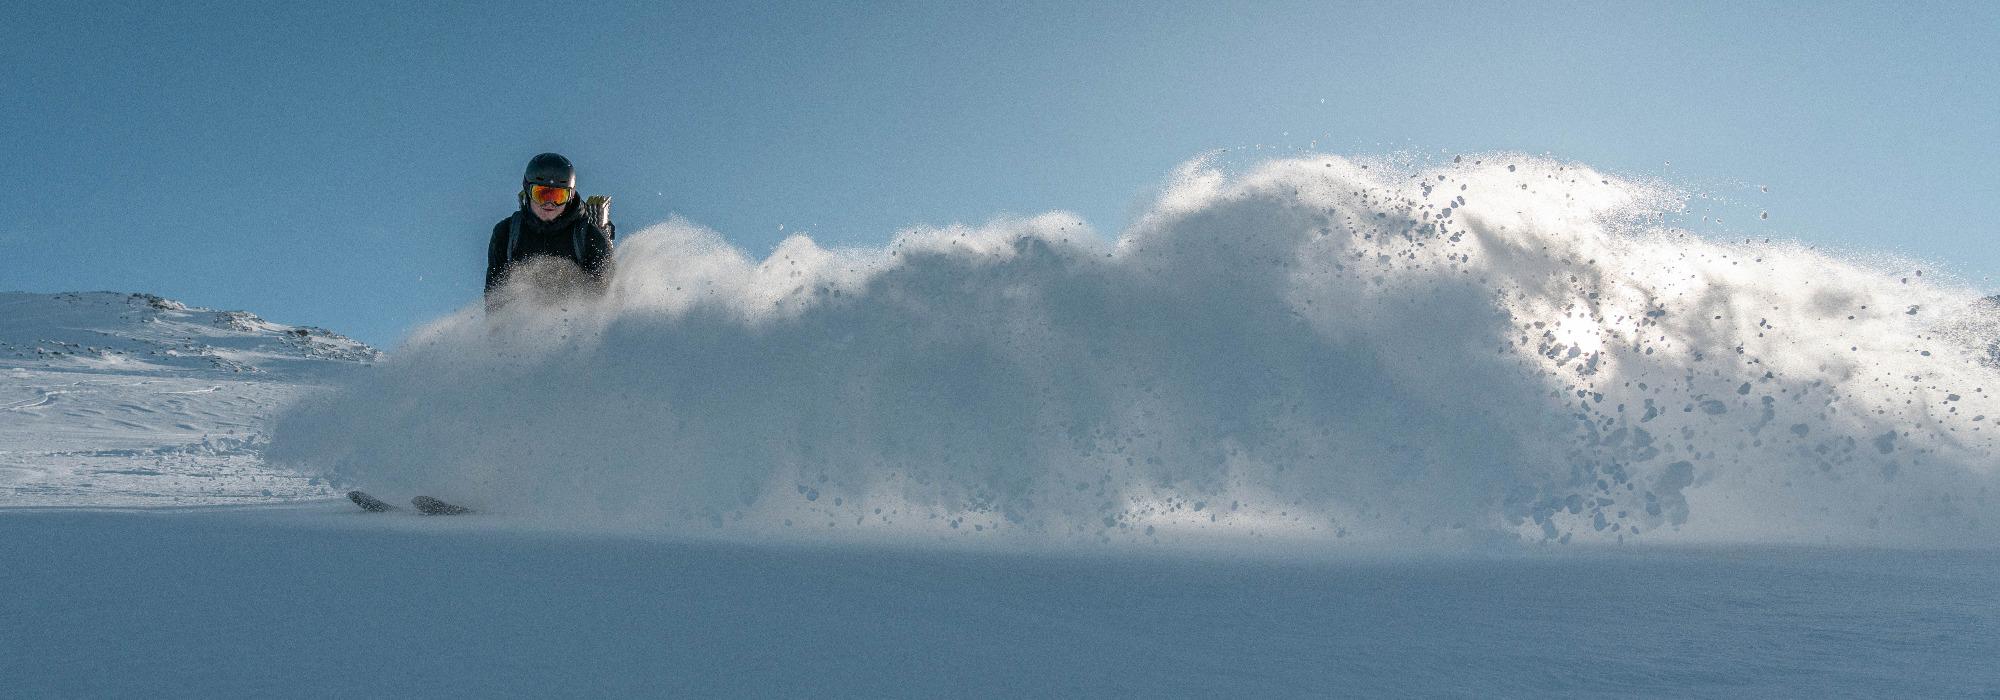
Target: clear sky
x,y
342,164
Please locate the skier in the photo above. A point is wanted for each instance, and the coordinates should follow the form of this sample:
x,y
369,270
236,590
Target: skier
x,y
561,245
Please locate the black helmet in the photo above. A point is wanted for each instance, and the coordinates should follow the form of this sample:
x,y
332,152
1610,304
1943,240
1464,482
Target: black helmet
x,y
549,169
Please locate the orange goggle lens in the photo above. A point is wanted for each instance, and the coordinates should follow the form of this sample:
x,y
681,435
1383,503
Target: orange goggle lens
x,y
551,195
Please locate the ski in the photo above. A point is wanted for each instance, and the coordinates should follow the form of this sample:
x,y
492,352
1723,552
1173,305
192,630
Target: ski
x,y
431,506
369,503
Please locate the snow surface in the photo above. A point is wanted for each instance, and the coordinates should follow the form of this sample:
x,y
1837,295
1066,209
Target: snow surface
x,y
1334,427
322,601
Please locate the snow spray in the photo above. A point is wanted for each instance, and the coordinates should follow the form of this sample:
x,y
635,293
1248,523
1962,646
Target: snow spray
x,y
1504,348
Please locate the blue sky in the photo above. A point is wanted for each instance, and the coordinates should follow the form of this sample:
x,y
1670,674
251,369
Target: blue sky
x,y
342,164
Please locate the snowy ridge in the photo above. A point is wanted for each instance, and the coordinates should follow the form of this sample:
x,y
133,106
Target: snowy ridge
x,y
112,399
1333,350
142,333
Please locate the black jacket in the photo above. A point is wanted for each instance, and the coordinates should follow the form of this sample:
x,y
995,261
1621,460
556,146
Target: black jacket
x,y
554,238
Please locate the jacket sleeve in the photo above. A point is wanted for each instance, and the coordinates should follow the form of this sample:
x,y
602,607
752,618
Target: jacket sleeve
x,y
496,262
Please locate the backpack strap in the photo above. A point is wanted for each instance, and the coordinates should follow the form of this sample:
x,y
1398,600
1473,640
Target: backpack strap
x,y
576,235
513,235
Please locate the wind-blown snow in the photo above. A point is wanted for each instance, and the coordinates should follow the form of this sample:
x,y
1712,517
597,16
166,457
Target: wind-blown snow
x,y
1328,349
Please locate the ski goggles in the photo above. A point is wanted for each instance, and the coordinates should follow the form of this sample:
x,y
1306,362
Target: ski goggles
x,y
544,194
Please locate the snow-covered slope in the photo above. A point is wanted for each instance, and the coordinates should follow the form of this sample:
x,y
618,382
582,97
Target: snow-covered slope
x,y
131,399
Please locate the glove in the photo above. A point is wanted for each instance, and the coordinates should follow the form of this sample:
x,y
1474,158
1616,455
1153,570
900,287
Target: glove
x,y
597,208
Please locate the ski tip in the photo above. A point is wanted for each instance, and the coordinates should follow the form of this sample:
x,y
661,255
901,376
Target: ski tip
x,y
431,506
369,503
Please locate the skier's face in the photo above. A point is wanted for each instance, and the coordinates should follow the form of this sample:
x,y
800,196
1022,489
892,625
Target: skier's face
x,y
548,211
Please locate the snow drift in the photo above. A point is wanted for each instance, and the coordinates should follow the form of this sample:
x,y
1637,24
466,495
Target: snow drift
x,y
1341,350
